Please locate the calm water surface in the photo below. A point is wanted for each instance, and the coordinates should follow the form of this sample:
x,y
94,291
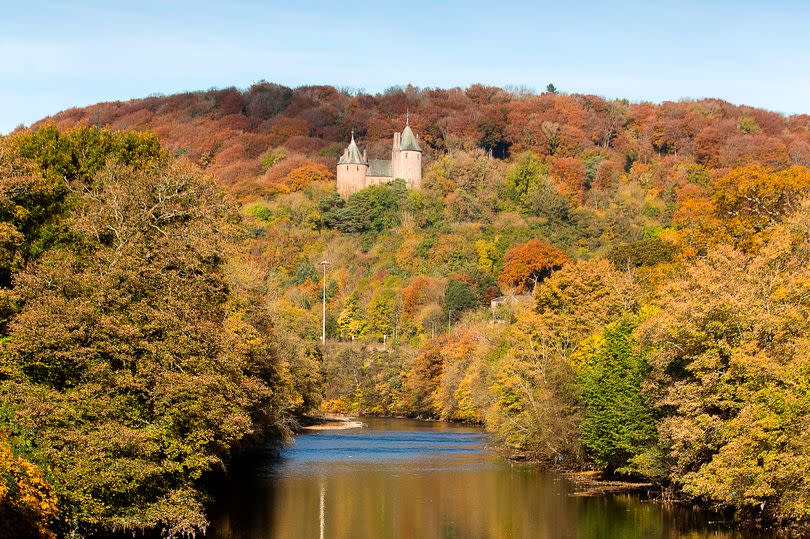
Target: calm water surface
x,y
399,478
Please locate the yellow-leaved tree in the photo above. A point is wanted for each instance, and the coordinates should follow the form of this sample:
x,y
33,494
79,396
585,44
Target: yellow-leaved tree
x,y
28,504
730,358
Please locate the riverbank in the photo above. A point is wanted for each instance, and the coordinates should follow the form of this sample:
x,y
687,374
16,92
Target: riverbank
x,y
595,483
318,422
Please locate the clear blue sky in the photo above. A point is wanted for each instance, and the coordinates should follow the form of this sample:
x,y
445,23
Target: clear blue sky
x,y
54,55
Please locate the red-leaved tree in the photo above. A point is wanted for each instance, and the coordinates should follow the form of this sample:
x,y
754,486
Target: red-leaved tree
x,y
529,263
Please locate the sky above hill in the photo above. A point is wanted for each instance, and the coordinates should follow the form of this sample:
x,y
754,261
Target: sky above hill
x,y
55,55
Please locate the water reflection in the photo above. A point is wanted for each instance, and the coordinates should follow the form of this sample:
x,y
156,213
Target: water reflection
x,y
408,479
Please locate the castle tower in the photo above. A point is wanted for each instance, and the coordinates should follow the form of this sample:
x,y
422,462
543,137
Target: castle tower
x,y
351,170
409,161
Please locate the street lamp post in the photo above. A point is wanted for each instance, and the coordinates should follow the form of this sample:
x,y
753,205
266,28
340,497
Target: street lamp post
x,y
324,263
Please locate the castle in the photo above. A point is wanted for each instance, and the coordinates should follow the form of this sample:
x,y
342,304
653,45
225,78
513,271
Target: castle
x,y
355,172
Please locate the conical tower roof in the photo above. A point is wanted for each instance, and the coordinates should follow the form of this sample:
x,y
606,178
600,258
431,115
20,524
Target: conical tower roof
x,y
408,139
352,155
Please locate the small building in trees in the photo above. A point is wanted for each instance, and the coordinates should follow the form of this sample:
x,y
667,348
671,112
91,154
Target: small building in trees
x,y
356,172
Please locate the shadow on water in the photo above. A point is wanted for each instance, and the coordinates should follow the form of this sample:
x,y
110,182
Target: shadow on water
x,y
411,479
244,500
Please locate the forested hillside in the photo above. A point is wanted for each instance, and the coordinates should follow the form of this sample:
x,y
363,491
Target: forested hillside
x,y
586,140
656,259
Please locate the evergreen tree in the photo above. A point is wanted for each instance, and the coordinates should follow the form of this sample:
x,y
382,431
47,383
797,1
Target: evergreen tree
x,y
617,424
458,297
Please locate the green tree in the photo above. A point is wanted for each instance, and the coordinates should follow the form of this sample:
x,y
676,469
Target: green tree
x,y
748,125
543,200
373,209
305,272
534,409
525,175
643,252
426,209
591,167
272,157
617,424
79,153
459,297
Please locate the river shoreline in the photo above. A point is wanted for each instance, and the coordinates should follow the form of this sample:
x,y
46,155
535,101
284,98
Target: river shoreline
x,y
330,422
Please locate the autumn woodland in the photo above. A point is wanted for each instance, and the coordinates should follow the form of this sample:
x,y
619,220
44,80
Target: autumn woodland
x,y
161,293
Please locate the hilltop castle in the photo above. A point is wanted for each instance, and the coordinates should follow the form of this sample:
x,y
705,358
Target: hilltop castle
x,y
355,172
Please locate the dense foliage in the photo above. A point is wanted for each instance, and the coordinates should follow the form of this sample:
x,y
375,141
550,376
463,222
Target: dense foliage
x,y
131,365
617,424
254,139
648,262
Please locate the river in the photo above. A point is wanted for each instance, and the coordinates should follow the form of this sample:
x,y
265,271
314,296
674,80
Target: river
x,y
407,479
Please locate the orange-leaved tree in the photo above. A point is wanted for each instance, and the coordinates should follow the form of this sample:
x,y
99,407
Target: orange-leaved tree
x,y
752,199
309,173
529,263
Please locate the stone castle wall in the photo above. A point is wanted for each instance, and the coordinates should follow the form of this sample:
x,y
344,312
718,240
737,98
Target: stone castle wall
x,y
395,170
350,179
410,169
